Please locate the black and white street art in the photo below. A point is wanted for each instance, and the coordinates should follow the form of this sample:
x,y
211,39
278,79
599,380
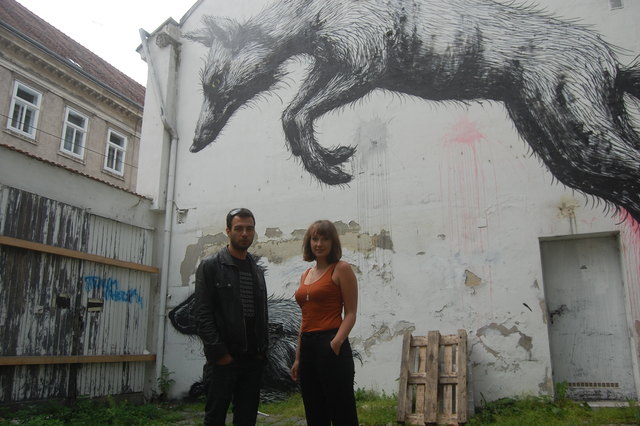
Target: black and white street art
x,y
561,83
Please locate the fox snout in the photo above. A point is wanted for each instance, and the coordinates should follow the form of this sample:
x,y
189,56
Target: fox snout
x,y
208,127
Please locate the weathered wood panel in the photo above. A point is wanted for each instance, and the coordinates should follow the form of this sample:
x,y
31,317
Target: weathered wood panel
x,y
55,305
433,389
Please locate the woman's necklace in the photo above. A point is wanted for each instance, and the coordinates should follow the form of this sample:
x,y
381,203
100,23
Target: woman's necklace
x,y
317,274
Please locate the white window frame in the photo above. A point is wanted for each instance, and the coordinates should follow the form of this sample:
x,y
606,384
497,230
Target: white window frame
x,y
616,4
115,155
78,146
23,115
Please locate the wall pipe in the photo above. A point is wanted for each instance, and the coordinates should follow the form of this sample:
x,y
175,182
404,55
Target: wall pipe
x,y
168,217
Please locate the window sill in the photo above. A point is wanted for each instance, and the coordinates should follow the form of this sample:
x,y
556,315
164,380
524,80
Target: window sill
x,y
71,157
113,175
21,136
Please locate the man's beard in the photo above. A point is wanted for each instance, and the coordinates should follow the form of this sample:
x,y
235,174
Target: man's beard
x,y
239,247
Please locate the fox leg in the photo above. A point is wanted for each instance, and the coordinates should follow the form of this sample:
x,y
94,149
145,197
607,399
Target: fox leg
x,y
583,136
321,92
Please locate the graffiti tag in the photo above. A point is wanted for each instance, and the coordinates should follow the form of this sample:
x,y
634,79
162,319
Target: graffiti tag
x,y
110,290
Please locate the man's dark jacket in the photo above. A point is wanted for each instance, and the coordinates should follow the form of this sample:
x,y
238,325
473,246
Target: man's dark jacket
x,y
218,307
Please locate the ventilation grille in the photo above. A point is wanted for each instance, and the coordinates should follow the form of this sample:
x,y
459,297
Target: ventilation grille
x,y
592,385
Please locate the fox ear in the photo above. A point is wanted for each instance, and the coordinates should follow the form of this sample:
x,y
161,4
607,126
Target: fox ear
x,y
215,28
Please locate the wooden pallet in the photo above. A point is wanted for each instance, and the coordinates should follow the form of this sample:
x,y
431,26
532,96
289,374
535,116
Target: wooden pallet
x,y
433,379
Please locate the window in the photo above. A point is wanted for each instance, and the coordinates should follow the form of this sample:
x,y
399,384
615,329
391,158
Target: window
x,y
25,106
74,133
116,149
615,4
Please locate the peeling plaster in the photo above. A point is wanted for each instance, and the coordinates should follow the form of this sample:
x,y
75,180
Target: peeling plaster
x,y
277,250
543,308
343,228
471,279
525,342
273,233
194,252
298,233
383,240
384,334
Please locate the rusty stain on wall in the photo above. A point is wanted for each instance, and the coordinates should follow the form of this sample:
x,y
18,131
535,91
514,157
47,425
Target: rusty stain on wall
x,y
546,386
471,279
567,207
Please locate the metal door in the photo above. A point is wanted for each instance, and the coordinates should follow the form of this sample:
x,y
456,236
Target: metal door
x,y
588,332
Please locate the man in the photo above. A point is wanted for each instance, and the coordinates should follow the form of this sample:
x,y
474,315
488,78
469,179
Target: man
x,y
231,318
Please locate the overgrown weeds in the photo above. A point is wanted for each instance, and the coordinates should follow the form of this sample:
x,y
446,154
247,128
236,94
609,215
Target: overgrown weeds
x,y
86,411
374,409
540,410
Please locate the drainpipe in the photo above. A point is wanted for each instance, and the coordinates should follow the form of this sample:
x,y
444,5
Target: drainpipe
x,y
168,217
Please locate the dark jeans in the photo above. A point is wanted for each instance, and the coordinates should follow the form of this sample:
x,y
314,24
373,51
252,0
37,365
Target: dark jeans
x,y
326,381
237,383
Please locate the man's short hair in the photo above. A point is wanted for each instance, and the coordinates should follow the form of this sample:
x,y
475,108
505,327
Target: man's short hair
x,y
240,212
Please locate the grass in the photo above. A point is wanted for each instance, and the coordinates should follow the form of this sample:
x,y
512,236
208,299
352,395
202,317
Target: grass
x,y
535,411
373,410
92,412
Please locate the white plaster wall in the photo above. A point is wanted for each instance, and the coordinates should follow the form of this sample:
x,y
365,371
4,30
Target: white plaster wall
x,y
453,184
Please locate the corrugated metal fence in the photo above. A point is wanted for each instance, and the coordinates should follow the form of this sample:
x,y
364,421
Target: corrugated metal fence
x,y
74,301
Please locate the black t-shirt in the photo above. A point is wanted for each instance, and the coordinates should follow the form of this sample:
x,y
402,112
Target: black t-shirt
x,y
247,297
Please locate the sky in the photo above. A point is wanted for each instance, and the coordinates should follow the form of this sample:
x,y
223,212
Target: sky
x,y
110,29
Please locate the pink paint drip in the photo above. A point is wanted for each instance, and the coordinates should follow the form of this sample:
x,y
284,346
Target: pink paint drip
x,y
464,180
630,235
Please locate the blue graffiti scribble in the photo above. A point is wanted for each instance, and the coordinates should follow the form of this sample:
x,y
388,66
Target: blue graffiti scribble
x,y
110,291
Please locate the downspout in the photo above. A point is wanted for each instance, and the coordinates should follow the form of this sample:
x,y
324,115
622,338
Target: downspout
x,y
168,217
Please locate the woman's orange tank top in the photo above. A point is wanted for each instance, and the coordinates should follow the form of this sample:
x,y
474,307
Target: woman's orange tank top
x,y
320,302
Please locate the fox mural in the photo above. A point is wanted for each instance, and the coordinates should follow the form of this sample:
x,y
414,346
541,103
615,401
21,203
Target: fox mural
x,y
561,84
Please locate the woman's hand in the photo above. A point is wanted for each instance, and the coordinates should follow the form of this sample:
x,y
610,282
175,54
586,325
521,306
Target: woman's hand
x,y
294,371
335,346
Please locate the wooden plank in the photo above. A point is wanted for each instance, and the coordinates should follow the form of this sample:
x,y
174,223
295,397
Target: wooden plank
x,y
404,375
436,375
74,359
411,392
447,363
462,394
415,419
447,400
449,339
421,388
417,378
418,341
431,404
44,248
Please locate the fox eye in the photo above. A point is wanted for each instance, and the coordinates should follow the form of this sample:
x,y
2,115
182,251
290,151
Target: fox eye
x,y
216,82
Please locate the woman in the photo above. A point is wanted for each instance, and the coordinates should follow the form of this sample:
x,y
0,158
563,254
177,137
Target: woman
x,y
328,297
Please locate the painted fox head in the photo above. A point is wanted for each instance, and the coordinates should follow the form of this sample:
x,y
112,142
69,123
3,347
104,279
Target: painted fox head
x,y
237,67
